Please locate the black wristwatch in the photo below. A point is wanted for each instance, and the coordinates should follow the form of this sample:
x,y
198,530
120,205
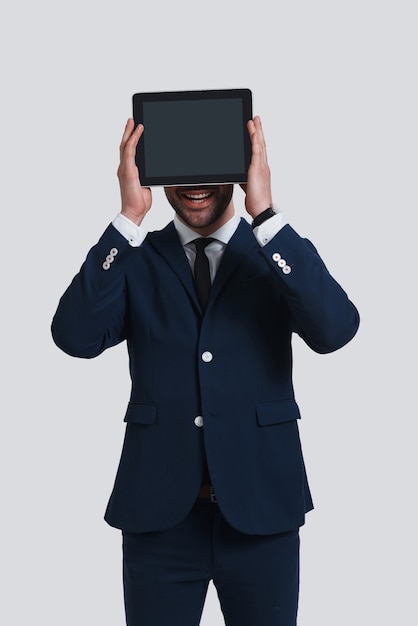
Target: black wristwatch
x,y
262,217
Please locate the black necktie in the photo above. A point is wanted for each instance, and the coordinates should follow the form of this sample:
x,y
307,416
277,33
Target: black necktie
x,y
201,270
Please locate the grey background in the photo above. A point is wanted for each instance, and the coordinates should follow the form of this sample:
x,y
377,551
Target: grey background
x,y
335,84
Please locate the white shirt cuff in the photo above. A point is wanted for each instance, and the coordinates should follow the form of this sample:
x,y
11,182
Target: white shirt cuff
x,y
133,233
269,229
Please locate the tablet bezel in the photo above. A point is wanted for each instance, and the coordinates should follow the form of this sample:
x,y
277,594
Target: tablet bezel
x,y
212,178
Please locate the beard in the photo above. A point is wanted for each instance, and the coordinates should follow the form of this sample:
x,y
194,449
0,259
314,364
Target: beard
x,y
200,213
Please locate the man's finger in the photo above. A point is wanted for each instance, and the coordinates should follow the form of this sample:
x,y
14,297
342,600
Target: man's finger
x,y
130,135
126,134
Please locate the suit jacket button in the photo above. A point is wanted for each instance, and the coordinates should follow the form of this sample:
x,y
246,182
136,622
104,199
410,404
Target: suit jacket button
x,y
287,269
198,421
276,257
106,265
114,251
207,357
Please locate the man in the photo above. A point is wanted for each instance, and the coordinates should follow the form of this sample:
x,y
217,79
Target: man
x,y
211,484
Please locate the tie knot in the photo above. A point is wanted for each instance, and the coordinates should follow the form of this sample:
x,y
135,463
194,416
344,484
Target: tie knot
x,y
201,242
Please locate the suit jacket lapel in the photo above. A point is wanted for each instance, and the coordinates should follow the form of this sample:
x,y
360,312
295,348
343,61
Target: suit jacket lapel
x,y
167,244
240,245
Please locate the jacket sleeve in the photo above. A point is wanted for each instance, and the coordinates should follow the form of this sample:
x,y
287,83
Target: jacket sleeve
x,y
322,313
91,313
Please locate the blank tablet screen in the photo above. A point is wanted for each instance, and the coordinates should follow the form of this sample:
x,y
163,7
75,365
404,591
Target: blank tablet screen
x,y
193,137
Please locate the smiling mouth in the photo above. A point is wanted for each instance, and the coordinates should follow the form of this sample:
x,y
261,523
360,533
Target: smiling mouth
x,y
198,196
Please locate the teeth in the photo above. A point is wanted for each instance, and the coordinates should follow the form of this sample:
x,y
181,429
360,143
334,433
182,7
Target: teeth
x,y
197,196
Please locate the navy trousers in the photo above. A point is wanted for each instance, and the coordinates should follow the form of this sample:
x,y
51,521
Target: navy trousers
x,y
166,574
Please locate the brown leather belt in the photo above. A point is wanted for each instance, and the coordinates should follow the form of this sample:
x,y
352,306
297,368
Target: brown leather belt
x,y
207,492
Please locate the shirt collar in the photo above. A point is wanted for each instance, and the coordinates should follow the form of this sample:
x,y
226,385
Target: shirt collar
x,y
222,234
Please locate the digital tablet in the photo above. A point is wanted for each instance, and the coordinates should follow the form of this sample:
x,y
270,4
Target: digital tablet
x,y
193,137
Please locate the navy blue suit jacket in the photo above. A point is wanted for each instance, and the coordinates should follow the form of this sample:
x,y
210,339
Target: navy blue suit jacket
x,y
243,389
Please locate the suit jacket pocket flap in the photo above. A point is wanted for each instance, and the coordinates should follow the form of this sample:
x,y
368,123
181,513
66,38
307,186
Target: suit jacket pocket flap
x,y
277,413
141,413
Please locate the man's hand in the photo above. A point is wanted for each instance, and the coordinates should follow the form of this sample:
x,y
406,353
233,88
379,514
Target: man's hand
x,y
136,200
258,187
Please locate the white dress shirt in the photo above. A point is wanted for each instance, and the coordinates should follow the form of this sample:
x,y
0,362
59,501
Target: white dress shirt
x,y
214,251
